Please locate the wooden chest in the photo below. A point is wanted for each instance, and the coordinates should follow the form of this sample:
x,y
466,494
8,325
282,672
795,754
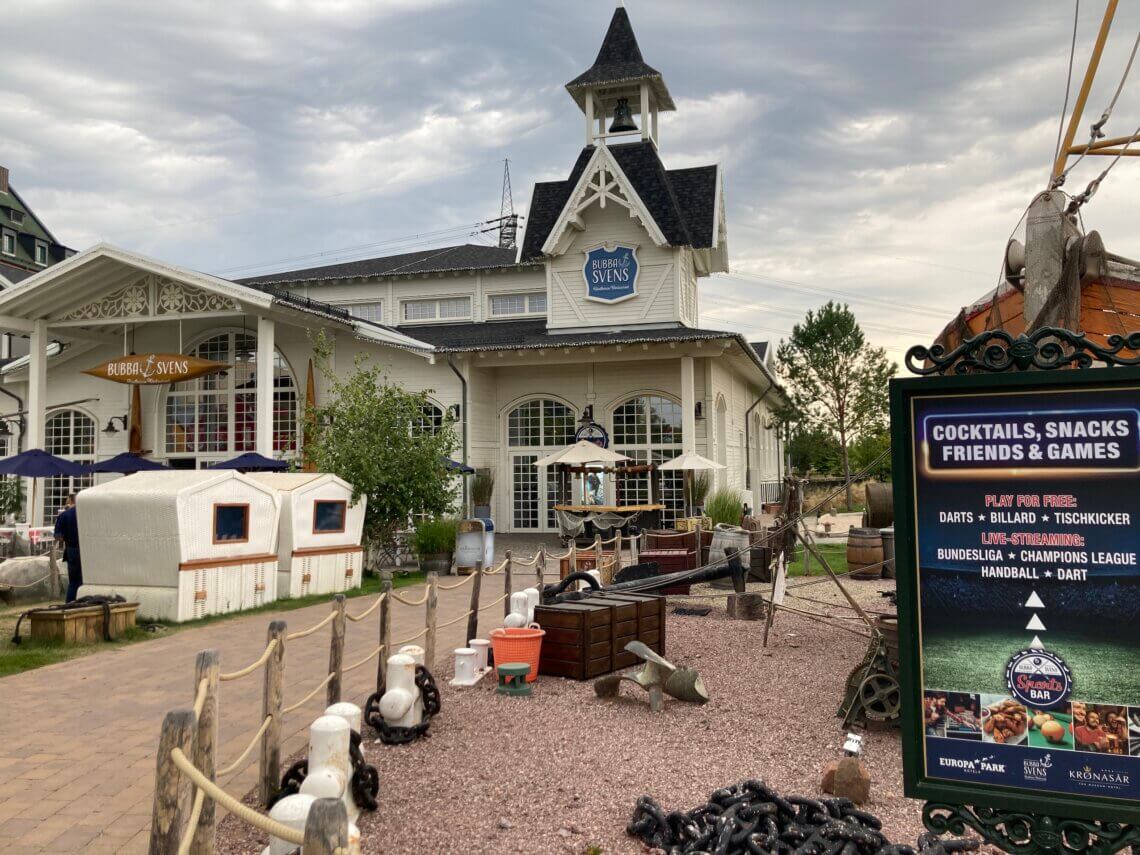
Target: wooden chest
x,y
82,625
585,559
578,641
670,561
650,618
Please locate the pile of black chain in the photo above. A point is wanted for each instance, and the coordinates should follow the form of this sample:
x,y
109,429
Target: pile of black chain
x,y
393,735
751,818
365,781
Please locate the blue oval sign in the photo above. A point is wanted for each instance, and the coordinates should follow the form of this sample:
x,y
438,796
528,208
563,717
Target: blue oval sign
x,y
611,274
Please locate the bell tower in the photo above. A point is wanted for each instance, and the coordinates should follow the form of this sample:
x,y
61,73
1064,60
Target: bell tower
x,y
620,94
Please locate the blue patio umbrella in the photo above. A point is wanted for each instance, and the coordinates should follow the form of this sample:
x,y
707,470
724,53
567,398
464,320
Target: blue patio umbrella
x,y
252,462
126,463
456,466
37,463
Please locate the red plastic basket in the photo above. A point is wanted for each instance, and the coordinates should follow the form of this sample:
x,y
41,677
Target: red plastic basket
x,y
518,644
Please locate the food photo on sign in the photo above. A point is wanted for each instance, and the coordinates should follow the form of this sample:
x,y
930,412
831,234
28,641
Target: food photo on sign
x,y
1028,587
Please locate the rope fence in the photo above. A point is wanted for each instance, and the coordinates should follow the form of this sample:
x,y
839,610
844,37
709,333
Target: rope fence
x,y
233,767
253,666
304,633
367,611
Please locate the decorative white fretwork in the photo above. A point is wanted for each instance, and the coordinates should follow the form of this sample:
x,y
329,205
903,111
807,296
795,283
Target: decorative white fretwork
x,y
130,301
176,298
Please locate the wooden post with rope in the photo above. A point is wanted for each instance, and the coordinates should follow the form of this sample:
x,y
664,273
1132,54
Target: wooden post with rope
x,y
326,828
56,587
507,584
429,619
597,554
206,667
336,652
473,605
172,790
272,703
385,628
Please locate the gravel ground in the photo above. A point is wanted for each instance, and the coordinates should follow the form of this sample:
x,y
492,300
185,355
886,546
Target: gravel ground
x,y
560,771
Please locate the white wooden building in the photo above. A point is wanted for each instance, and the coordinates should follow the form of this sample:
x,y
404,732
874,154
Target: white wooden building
x,y
593,319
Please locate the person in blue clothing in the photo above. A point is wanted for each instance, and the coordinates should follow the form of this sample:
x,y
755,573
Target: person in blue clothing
x,y
67,531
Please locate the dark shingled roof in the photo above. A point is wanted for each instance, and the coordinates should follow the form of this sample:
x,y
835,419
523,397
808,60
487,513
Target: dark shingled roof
x,y
619,61
441,259
15,274
530,334
681,201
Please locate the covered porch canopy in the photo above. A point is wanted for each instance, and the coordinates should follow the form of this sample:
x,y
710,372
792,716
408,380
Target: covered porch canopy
x,y
91,299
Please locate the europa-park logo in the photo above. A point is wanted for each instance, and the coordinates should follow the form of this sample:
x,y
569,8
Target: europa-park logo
x,y
1101,777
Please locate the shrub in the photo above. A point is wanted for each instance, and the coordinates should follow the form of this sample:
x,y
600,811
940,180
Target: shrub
x,y
482,487
435,536
698,486
725,506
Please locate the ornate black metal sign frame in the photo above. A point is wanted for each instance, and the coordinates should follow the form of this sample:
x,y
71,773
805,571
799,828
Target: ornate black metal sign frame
x,y
1018,819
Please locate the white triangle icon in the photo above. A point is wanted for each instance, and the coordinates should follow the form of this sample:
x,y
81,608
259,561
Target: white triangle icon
x,y
1034,602
1037,643
1035,623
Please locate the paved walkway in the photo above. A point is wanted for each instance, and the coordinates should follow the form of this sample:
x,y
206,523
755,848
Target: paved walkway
x,y
78,739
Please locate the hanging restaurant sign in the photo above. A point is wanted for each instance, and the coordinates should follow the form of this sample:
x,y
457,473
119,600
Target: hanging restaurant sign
x,y
595,433
153,369
1017,499
611,274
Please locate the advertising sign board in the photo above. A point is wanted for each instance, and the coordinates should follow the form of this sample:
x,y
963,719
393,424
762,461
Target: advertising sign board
x,y
611,274
155,369
1017,502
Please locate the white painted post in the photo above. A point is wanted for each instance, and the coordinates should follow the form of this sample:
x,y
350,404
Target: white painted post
x,y
589,118
37,405
644,110
688,405
266,349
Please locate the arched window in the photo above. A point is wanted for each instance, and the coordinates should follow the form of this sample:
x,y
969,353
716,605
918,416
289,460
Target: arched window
x,y
216,415
648,430
70,434
532,427
430,420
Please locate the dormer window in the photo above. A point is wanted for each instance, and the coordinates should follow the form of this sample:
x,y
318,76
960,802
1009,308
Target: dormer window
x,y
15,216
447,309
8,242
41,253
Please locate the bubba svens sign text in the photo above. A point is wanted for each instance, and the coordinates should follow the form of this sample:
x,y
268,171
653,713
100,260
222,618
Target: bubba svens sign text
x,y
1026,505
155,368
611,273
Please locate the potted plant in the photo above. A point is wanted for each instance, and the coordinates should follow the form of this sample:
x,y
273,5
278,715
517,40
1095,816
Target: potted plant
x,y
482,488
726,506
434,544
699,484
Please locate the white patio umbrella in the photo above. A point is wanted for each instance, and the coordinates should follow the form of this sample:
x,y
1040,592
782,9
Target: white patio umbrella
x,y
583,451
690,462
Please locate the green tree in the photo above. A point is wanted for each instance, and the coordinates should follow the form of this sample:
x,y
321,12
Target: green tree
x,y
836,381
373,434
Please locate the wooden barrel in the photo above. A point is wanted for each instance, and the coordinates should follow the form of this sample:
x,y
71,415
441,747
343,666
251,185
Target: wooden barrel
x,y
888,625
880,511
865,553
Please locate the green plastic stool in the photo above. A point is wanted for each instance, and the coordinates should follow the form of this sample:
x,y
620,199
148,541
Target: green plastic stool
x,y
512,679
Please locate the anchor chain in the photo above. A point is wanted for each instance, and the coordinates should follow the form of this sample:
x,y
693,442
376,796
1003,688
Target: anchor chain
x,y
395,735
750,818
365,781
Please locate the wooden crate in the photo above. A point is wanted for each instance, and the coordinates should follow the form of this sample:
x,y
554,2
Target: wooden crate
x,y
650,617
82,625
578,641
584,559
670,561
625,623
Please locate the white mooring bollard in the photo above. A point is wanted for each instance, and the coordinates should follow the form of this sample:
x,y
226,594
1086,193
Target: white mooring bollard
x,y
413,650
481,646
465,673
401,705
349,712
532,600
330,768
519,611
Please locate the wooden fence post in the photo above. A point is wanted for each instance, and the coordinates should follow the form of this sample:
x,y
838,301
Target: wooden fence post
x,y
473,606
508,585
172,789
272,701
699,560
540,569
326,829
207,667
336,652
429,619
385,628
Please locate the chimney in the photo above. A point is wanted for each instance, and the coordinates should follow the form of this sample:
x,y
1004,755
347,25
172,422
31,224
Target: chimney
x,y
3,179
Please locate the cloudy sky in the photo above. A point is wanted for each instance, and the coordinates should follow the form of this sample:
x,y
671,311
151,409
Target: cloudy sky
x,y
877,152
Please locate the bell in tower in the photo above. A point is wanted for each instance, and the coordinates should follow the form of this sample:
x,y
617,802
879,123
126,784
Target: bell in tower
x,y
623,118
622,81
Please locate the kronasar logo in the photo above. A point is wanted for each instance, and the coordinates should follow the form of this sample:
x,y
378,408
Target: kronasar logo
x,y
1088,775
977,765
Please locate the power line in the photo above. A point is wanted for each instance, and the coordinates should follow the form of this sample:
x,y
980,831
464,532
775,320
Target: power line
x,y
846,295
799,314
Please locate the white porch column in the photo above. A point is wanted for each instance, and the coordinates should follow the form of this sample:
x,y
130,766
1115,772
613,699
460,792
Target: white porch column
x,y
644,111
688,406
266,350
37,406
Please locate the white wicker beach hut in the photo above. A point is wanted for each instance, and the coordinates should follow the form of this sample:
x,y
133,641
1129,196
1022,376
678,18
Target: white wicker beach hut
x,y
318,546
183,544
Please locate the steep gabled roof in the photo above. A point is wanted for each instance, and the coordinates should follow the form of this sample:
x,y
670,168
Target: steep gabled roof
x,y
620,61
466,256
682,202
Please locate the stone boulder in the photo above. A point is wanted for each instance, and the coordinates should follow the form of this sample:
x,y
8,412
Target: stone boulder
x,y
28,580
